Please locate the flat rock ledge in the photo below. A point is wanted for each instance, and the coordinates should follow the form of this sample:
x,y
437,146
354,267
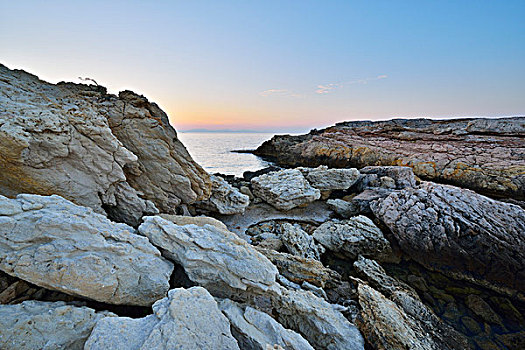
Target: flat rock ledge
x,y
482,154
53,243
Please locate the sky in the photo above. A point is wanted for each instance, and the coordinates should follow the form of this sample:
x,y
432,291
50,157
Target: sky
x,y
281,65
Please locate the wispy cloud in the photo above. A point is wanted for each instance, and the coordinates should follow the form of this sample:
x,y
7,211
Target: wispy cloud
x,y
328,88
280,92
321,89
273,92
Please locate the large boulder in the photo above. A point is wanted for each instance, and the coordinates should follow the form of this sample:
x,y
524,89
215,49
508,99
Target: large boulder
x,y
58,245
284,189
42,325
324,178
225,199
459,232
256,330
211,257
481,154
353,237
116,155
187,319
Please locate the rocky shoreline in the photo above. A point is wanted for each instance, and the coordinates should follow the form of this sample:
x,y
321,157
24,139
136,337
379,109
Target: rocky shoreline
x,y
112,237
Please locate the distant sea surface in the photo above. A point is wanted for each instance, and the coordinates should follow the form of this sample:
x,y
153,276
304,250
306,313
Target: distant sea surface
x,y
212,150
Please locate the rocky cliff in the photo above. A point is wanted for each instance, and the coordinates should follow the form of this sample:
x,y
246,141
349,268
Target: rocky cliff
x,y
115,154
486,155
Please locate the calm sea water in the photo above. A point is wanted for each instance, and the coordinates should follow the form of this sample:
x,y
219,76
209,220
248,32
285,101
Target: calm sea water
x,y
213,151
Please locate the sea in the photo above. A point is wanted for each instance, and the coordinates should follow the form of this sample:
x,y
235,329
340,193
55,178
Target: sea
x,y
213,150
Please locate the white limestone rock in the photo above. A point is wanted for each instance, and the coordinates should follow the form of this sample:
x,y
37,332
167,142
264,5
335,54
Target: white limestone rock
x,y
213,258
225,199
284,189
256,330
353,237
324,178
55,244
43,325
187,319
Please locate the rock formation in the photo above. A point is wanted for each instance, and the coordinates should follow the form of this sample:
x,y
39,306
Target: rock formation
x,y
224,199
258,331
186,319
113,154
353,237
53,243
40,325
212,257
459,232
485,155
284,189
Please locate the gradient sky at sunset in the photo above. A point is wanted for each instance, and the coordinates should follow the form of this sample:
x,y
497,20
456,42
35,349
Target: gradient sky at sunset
x,y
281,65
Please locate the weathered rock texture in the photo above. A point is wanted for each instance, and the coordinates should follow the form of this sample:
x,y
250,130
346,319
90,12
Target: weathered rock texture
x,y
393,316
353,237
225,199
458,232
330,179
213,258
109,153
318,321
300,243
482,154
256,330
285,189
41,325
55,244
187,319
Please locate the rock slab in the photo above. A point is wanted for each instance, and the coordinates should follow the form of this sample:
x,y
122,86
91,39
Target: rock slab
x,y
53,243
459,232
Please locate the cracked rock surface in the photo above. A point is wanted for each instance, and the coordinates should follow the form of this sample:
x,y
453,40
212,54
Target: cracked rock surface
x,y
113,154
212,257
458,232
187,319
49,241
42,325
256,330
284,189
485,155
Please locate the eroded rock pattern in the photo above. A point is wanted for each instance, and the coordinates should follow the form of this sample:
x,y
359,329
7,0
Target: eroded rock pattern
x,y
213,258
41,325
482,154
187,319
49,241
285,189
109,153
353,237
225,199
256,330
459,232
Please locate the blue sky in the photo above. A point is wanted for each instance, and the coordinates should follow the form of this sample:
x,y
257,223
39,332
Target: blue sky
x,y
282,65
